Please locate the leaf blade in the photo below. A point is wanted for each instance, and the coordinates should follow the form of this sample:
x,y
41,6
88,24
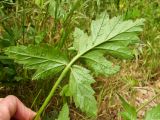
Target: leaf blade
x,y
45,59
111,36
109,30
99,64
64,113
79,85
130,112
153,114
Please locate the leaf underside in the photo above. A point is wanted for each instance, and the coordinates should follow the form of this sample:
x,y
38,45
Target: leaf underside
x,y
99,64
81,90
107,36
45,59
64,113
111,36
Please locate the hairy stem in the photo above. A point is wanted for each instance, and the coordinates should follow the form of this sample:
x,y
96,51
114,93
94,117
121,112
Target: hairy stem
x,y
50,95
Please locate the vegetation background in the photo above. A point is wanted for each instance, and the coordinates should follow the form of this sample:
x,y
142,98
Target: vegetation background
x,y
33,22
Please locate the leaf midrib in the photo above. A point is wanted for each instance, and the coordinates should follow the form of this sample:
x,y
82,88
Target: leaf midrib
x,y
84,85
94,46
48,69
31,56
94,60
100,28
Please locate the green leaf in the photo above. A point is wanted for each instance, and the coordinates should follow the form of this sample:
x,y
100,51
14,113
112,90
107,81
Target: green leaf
x,y
52,7
99,64
39,3
130,112
64,113
81,90
39,37
65,91
45,59
153,114
117,49
110,35
56,8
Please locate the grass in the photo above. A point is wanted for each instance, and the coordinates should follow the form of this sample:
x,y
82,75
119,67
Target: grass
x,y
23,22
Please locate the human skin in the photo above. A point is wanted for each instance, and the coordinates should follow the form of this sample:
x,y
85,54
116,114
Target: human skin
x,y
11,108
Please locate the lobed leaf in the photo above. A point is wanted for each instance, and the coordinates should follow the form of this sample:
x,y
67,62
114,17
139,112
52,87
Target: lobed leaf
x,y
99,64
81,90
111,36
46,59
65,91
64,113
104,30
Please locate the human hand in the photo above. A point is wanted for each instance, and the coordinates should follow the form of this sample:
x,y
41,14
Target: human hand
x,y
11,108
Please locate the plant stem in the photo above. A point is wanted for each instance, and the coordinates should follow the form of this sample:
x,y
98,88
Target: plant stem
x,y
50,95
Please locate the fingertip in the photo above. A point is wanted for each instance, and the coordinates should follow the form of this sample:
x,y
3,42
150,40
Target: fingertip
x,y
32,114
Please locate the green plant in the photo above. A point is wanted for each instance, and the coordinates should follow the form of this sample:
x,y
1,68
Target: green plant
x,y
10,34
107,37
130,112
